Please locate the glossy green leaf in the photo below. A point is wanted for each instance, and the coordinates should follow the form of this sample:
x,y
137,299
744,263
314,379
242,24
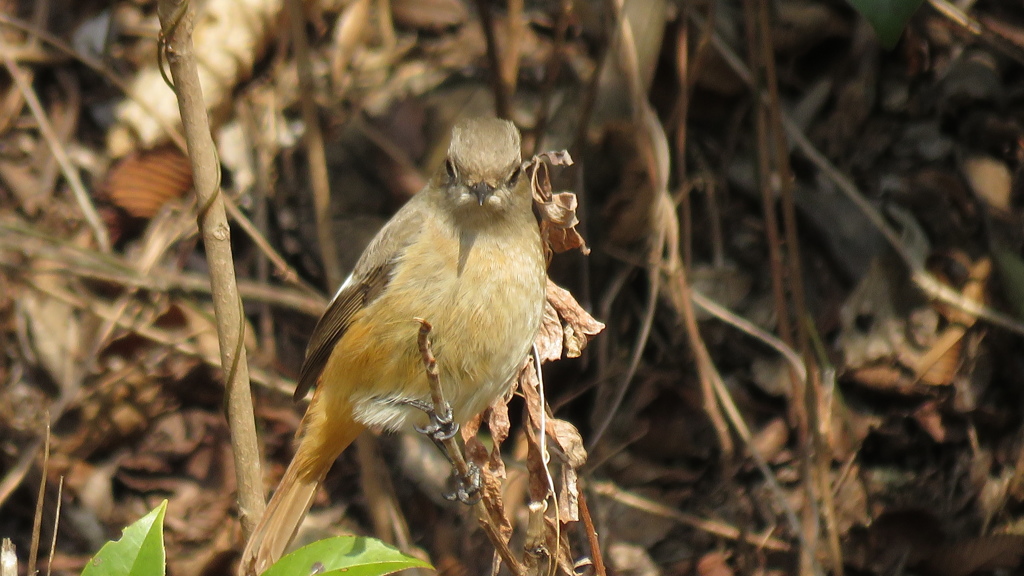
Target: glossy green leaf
x,y
139,552
887,17
344,555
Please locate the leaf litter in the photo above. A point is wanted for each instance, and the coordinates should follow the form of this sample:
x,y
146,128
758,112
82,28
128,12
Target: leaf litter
x,y
914,404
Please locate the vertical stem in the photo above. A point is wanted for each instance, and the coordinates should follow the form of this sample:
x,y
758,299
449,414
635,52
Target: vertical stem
x,y
313,139
817,459
176,21
502,106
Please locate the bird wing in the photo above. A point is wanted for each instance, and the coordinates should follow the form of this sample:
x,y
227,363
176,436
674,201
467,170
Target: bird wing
x,y
369,279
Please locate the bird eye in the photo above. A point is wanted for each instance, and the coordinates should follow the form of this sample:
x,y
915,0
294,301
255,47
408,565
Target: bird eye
x,y
514,178
449,166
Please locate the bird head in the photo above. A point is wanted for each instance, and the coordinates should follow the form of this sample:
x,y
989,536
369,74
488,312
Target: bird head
x,y
484,164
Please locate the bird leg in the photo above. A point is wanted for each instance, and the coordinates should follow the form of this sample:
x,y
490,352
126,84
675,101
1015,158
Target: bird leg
x,y
442,428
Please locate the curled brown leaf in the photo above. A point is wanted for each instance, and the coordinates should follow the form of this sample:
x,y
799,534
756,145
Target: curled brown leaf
x,y
556,211
577,325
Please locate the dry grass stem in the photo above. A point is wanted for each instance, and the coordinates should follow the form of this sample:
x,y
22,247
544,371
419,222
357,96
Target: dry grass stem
x,y
502,106
613,492
16,473
56,524
776,180
37,519
596,555
70,172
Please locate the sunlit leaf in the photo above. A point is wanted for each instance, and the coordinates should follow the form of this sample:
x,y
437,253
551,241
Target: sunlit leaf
x,y
139,552
348,555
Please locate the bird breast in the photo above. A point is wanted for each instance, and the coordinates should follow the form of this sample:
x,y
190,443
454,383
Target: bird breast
x,y
483,293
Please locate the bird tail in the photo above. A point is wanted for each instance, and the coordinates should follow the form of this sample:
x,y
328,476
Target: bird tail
x,y
294,495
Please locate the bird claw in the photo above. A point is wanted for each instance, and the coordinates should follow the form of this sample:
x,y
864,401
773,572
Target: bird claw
x,y
441,427
468,489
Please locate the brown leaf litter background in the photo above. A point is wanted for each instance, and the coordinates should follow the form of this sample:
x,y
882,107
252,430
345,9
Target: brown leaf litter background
x,y
805,253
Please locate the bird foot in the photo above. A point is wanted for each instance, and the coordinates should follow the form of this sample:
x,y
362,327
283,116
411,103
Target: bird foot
x,y
467,489
441,427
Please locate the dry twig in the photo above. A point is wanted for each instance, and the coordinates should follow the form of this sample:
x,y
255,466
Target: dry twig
x,y
442,410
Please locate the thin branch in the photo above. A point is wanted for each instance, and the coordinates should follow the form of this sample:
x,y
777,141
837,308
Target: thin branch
x,y
551,72
744,325
442,409
787,277
16,473
313,139
713,380
595,545
176,20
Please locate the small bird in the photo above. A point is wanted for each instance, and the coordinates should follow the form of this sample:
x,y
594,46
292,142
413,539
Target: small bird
x,y
464,254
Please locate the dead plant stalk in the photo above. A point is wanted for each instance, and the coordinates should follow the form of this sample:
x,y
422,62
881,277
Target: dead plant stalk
x,y
176,21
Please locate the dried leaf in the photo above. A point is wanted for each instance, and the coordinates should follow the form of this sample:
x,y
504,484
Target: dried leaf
x,y
499,425
569,442
569,449
557,212
578,326
550,337
141,183
535,464
498,421
492,497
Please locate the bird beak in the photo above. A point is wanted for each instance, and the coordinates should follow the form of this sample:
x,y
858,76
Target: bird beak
x,y
482,190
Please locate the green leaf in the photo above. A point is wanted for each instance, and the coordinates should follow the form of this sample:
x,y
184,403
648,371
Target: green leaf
x,y
139,552
887,17
1011,275
344,555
